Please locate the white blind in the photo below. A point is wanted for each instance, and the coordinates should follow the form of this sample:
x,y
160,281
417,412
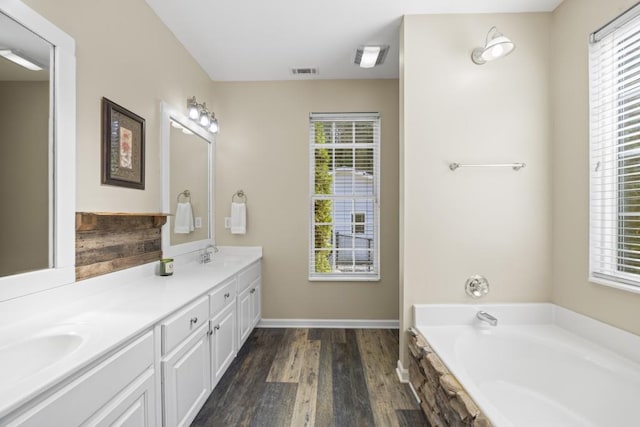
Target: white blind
x,y
344,158
614,69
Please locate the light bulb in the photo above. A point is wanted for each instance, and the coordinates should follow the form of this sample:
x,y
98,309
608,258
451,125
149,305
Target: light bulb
x,y
192,107
204,115
213,127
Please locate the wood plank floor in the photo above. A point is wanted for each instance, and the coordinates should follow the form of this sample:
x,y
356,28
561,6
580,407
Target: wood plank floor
x,y
313,377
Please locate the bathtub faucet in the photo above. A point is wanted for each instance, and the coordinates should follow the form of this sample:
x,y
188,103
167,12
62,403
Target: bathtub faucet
x,y
486,317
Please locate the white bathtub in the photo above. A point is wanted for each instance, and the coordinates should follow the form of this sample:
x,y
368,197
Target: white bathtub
x,y
542,365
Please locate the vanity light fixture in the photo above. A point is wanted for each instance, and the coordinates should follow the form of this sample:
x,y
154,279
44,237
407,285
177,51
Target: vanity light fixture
x,y
200,114
21,59
496,46
370,56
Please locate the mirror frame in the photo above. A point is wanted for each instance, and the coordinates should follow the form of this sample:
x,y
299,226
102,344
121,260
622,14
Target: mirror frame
x,y
63,145
170,113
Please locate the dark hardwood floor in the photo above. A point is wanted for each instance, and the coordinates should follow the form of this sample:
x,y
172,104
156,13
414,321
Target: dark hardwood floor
x,y
307,377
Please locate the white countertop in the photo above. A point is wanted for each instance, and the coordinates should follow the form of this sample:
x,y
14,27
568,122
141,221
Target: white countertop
x,y
105,312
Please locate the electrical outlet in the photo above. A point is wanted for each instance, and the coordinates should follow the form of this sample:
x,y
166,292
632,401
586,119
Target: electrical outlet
x,y
227,222
198,222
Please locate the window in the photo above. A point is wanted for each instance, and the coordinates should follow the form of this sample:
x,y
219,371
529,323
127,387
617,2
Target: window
x,y
358,221
345,187
614,62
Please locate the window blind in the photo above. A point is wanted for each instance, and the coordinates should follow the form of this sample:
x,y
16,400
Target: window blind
x,y
614,70
344,160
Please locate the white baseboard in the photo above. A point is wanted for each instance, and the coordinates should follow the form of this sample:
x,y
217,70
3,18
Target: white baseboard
x,y
403,374
329,323
415,394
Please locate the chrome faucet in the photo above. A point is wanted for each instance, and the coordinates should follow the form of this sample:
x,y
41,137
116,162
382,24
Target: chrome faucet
x,y
486,317
205,255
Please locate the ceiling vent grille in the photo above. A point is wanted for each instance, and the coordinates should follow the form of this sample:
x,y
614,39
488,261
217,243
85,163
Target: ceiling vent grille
x,y
304,71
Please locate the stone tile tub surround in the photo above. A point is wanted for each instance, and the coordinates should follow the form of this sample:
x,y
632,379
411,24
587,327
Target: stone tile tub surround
x,y
541,365
106,311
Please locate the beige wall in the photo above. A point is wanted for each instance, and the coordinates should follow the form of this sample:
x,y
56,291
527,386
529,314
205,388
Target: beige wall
x,y
494,222
24,178
263,149
126,54
572,23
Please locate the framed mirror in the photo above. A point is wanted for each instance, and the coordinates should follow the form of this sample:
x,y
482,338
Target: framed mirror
x,y
188,153
37,136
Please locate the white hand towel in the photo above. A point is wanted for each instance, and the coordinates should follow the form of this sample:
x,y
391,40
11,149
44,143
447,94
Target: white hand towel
x,y
238,218
183,222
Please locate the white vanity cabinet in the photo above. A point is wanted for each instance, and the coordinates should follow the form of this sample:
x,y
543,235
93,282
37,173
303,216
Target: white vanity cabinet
x,y
222,329
249,301
119,390
185,363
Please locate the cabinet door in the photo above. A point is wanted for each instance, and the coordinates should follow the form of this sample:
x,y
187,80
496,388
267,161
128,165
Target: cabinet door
x,y
186,379
133,407
223,343
256,303
244,316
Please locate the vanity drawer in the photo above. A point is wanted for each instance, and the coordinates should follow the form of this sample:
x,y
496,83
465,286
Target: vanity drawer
x,y
248,276
179,326
221,296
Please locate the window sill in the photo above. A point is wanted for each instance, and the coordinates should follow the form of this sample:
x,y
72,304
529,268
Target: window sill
x,y
342,278
616,285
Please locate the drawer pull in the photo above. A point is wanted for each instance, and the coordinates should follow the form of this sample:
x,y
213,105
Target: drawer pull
x,y
227,295
194,320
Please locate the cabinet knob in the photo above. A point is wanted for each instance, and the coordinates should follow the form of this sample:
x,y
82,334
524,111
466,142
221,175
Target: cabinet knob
x,y
194,320
217,327
253,290
209,332
227,295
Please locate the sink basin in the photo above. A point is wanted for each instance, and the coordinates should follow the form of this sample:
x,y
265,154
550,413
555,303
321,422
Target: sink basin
x,y
25,358
227,261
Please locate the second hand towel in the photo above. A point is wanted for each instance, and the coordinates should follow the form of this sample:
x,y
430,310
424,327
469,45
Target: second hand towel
x,y
238,218
183,222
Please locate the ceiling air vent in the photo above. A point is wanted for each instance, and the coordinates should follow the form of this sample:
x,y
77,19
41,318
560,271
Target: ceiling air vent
x,y
304,71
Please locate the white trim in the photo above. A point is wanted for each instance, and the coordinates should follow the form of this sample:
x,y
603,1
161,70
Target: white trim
x,y
415,394
403,376
63,117
329,323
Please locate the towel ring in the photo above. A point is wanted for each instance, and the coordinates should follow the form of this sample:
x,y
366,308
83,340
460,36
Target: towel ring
x,y
240,195
186,194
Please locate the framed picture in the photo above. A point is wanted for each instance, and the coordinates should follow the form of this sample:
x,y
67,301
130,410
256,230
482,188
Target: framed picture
x,y
122,146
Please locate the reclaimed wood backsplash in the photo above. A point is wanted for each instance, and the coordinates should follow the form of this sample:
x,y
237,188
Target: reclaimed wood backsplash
x,y
107,242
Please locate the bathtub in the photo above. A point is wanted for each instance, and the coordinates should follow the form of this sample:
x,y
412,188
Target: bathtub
x,y
542,365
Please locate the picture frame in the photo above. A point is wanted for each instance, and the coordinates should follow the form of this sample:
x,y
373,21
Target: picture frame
x,y
123,146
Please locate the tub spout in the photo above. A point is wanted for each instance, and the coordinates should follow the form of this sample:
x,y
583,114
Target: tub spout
x,y
486,317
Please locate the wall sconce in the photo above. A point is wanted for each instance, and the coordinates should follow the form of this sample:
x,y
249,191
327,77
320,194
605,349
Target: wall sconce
x,y
496,46
200,114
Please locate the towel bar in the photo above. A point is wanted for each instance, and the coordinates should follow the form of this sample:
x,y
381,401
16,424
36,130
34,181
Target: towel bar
x,y
514,166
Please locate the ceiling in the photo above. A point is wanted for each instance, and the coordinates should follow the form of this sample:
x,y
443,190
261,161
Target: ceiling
x,y
251,40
